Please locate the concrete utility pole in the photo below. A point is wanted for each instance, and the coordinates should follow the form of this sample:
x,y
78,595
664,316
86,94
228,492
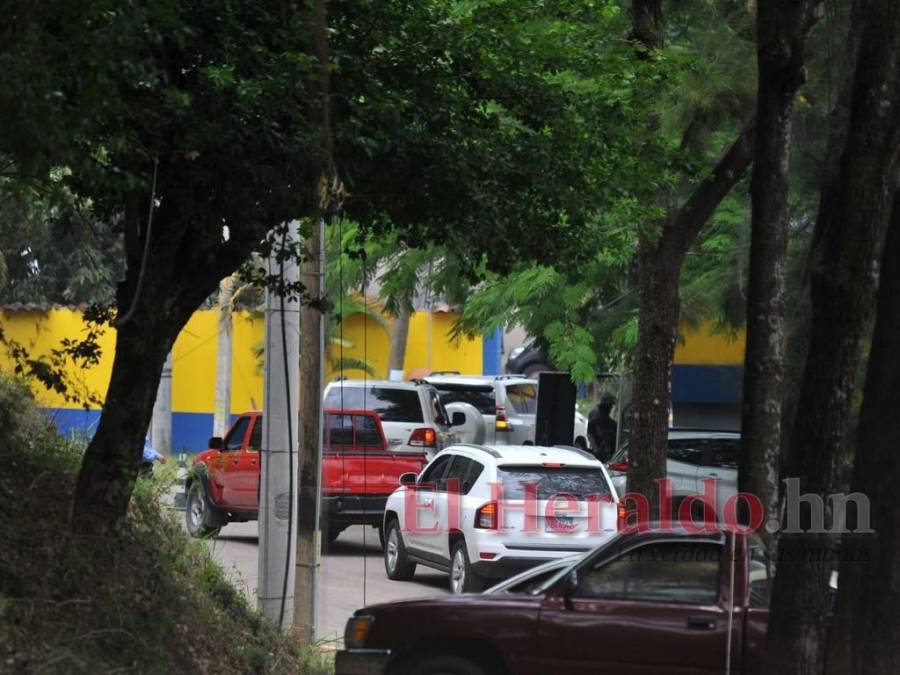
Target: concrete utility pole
x,y
312,338
161,422
222,411
278,489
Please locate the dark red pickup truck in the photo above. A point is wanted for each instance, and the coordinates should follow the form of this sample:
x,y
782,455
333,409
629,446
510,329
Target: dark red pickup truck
x,y
358,474
653,602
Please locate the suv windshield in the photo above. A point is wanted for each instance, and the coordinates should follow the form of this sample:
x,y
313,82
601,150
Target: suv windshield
x,y
576,481
522,398
480,396
394,405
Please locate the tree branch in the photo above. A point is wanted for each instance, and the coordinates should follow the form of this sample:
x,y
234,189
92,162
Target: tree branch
x,y
702,203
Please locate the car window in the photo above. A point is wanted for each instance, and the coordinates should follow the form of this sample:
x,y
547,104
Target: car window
x,y
459,468
482,397
256,435
759,573
435,472
688,450
522,398
339,429
662,572
367,432
723,452
235,438
475,469
577,481
393,405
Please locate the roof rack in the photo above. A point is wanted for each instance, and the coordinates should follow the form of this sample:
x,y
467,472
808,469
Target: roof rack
x,y
512,376
472,446
443,372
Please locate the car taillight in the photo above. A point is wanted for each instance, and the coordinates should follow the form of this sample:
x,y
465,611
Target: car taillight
x,y
486,516
500,421
620,516
425,437
621,467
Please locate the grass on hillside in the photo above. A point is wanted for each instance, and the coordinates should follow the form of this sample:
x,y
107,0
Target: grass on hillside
x,y
150,601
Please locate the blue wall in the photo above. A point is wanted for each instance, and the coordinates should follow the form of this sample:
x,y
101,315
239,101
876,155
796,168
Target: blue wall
x,y
190,431
721,385
491,353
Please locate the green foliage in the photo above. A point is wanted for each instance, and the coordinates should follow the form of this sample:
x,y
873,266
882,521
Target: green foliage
x,y
152,601
53,248
493,128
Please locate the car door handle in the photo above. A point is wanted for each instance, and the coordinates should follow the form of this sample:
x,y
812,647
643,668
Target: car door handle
x,y
235,461
252,462
701,623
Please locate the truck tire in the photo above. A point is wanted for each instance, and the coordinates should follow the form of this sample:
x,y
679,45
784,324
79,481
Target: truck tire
x,y
396,565
201,517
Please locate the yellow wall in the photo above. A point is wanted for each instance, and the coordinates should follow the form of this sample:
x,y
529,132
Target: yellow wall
x,y
462,355
40,333
707,347
194,354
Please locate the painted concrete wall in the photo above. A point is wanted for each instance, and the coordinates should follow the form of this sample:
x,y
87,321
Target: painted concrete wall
x,y
194,362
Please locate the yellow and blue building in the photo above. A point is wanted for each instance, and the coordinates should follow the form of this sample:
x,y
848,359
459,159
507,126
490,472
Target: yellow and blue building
x,y
706,378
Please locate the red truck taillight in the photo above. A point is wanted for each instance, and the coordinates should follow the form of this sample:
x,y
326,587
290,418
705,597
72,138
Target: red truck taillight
x,y
425,437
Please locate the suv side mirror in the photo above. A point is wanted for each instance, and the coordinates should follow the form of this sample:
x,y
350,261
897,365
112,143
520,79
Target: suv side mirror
x,y
458,419
408,478
216,443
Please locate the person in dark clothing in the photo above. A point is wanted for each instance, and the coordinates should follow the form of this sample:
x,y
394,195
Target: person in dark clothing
x,y
602,429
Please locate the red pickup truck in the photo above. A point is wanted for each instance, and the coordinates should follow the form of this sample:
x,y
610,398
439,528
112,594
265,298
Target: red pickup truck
x,y
358,474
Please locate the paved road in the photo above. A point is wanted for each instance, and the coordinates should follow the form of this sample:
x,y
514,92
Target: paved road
x,y
343,573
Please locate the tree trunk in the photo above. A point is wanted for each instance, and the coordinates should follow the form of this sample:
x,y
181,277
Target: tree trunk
x,y
399,334
312,349
660,256
782,29
658,270
867,621
660,263
843,278
310,443
110,463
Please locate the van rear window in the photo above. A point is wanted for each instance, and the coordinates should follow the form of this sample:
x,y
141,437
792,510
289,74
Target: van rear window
x,y
480,397
393,405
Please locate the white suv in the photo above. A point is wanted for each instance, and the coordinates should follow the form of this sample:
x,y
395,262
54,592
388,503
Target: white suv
x,y
507,403
412,414
693,455
487,512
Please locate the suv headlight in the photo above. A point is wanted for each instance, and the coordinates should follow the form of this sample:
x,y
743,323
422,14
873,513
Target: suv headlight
x,y
357,630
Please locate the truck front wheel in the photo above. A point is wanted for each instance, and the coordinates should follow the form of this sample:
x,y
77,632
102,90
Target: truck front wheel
x,y
200,516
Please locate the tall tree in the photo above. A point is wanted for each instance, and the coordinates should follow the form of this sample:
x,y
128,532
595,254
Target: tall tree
x,y
156,113
781,34
843,275
312,344
867,620
662,247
